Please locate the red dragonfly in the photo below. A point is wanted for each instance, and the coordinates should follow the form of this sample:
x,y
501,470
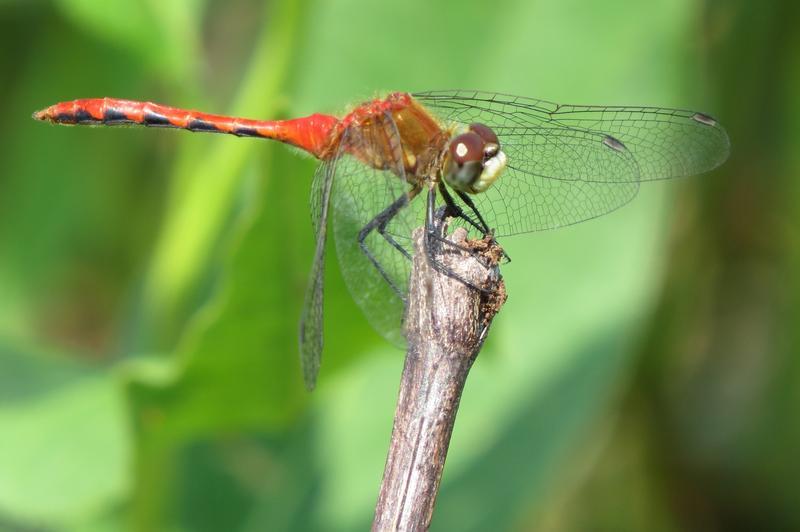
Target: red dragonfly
x,y
516,163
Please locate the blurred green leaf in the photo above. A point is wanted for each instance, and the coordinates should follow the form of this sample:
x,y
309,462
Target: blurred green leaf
x,y
64,440
242,347
206,191
164,34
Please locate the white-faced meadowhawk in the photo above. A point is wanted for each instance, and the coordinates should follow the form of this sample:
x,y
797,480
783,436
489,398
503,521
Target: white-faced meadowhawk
x,y
500,165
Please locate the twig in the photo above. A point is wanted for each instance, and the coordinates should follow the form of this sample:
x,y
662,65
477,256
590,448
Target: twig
x,y
446,324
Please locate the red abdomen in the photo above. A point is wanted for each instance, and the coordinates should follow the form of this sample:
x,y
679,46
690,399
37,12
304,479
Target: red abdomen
x,y
312,133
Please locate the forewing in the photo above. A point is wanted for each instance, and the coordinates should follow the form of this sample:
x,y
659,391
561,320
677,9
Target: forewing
x,y
570,163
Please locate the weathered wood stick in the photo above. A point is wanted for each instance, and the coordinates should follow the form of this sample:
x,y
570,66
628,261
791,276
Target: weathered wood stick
x,y
446,324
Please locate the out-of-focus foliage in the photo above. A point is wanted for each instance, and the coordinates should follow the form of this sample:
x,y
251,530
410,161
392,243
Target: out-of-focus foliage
x,y
643,375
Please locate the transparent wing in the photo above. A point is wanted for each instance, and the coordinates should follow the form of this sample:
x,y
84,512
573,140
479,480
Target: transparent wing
x,y
311,319
361,193
569,163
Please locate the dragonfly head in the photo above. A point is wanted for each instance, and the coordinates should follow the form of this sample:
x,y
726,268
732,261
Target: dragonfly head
x,y
474,159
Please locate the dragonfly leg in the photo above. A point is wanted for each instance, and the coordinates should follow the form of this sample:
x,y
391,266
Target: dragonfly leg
x,y
434,234
379,224
451,208
468,201
457,212
382,226
486,231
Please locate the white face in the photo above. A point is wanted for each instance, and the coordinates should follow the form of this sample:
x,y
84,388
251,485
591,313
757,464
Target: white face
x,y
492,168
475,160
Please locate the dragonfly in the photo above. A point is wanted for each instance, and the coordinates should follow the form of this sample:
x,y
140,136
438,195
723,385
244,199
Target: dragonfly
x,y
497,164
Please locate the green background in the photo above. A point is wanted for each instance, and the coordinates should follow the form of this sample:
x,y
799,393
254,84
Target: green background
x,y
644,374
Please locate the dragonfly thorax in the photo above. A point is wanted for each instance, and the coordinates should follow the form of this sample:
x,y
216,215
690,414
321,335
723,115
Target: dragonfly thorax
x,y
474,159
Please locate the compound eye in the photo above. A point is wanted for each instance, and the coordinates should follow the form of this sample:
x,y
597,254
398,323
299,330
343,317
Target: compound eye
x,y
485,132
467,148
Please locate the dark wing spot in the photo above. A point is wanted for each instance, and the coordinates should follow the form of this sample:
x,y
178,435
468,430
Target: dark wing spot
x,y
613,143
704,119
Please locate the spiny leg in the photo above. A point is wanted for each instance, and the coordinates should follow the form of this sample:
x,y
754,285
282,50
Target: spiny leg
x,y
451,208
486,231
382,226
431,236
457,212
379,223
466,199
483,227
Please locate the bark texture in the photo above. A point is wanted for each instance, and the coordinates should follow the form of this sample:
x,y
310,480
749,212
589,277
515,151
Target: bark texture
x,y
446,324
